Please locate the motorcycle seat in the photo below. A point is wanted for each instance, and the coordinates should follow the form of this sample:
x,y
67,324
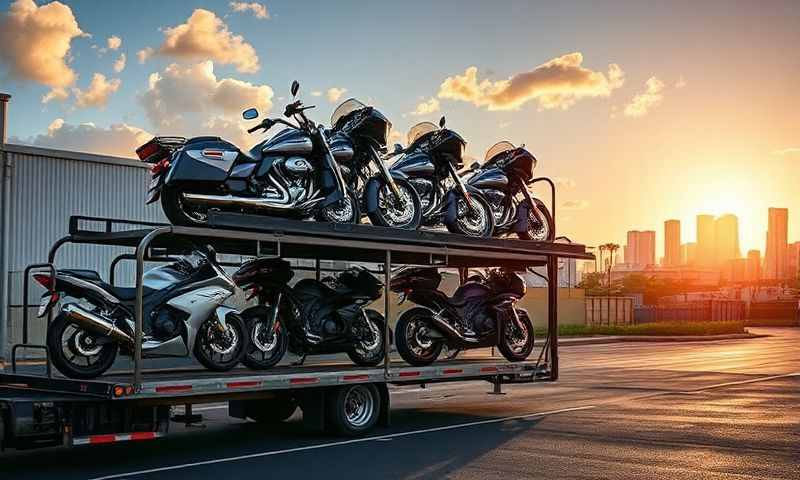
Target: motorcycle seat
x,y
122,293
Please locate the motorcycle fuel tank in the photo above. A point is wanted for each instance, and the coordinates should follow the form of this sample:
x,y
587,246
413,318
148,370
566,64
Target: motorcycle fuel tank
x,y
415,164
289,142
492,178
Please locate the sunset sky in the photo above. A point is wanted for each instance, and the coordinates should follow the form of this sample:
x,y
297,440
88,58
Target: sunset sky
x,y
643,111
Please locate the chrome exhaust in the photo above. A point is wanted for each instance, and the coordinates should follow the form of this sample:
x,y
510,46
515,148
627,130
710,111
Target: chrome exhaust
x,y
95,323
449,331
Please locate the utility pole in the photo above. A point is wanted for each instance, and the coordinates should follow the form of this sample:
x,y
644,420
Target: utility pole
x,y
5,198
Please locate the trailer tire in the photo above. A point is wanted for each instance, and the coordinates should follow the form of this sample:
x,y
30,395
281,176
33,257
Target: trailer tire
x,y
272,411
352,410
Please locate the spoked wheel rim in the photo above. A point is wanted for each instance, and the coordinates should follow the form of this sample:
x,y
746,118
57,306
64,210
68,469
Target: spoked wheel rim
x,y
538,229
264,341
359,406
220,346
419,342
396,213
77,343
473,221
516,337
371,345
341,211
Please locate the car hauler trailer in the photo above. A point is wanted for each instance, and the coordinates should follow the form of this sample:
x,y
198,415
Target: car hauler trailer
x,y
48,410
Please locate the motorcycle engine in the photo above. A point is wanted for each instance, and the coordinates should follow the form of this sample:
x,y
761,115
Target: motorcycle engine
x,y
296,172
330,327
425,189
166,322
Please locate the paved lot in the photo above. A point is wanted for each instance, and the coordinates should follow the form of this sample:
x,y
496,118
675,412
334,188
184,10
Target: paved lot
x,y
726,409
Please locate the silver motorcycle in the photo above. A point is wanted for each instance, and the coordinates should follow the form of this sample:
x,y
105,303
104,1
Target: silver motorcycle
x,y
183,315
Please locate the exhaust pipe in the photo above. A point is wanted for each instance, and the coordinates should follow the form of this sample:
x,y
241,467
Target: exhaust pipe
x,y
95,323
450,332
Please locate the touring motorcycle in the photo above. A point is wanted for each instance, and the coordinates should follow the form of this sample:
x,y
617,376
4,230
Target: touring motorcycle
x,y
503,180
357,138
312,317
480,313
431,161
292,174
183,315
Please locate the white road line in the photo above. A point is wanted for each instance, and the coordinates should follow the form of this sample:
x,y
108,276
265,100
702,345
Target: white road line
x,y
344,442
742,382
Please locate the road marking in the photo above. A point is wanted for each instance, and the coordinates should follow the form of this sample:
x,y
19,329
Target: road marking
x,y
344,442
741,382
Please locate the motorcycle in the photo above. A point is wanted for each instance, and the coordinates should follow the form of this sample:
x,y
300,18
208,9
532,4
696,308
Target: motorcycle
x,y
480,313
312,317
358,133
430,161
183,315
292,174
503,181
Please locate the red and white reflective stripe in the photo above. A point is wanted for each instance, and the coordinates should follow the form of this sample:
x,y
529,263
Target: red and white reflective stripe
x,y
304,380
244,384
173,388
116,437
355,378
489,369
452,371
409,374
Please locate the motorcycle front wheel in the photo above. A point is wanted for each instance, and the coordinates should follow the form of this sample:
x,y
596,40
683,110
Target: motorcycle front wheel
x,y
517,342
388,212
477,221
78,353
343,211
368,351
266,348
220,349
540,229
179,212
413,343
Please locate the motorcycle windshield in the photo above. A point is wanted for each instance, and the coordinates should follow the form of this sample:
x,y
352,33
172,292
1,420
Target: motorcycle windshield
x,y
497,149
347,107
419,130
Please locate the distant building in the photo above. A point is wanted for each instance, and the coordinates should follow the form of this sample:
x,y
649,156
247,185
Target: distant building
x,y
640,250
753,269
735,270
726,239
689,253
672,243
706,240
793,260
777,243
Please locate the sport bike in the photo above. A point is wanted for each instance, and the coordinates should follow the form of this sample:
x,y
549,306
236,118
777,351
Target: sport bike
x,y
292,174
503,180
311,317
358,137
183,315
430,161
480,313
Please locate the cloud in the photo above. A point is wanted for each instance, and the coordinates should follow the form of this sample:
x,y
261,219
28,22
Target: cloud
x,y
98,93
205,36
316,93
575,205
144,54
259,11
335,93
558,83
788,152
681,82
113,42
117,140
564,182
643,102
426,107
119,64
190,99
35,42
56,93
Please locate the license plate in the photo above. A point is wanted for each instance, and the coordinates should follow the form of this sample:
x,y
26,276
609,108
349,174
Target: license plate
x,y
43,305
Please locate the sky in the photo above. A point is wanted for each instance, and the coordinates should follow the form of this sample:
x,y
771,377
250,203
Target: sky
x,y
642,111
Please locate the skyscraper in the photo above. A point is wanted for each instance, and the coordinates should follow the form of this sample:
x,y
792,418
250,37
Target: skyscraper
x,y
793,260
777,240
672,243
641,248
753,269
689,253
726,239
706,236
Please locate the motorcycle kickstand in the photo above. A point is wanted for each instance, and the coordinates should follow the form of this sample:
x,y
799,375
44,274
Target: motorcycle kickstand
x,y
299,363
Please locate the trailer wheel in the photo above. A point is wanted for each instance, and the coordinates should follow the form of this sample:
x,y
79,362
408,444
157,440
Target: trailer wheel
x,y
354,409
272,411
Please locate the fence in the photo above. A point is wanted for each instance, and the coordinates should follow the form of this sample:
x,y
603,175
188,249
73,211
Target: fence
x,y
777,312
609,310
702,311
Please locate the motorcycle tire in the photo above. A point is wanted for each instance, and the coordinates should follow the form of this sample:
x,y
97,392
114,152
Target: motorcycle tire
x,y
176,212
339,213
206,353
55,346
408,218
408,342
479,223
534,233
374,354
517,351
261,353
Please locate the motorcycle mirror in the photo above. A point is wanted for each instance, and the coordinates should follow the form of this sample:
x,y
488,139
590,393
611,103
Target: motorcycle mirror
x,y
398,148
441,122
295,88
250,114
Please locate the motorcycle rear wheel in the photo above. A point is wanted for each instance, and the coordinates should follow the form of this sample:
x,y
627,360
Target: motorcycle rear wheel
x,y
179,212
64,354
412,344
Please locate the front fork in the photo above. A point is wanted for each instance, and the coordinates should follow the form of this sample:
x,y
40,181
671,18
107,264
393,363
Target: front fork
x,y
387,177
461,187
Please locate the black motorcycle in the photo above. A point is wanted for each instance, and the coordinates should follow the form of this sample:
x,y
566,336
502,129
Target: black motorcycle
x,y
292,174
357,137
312,317
430,162
503,180
480,314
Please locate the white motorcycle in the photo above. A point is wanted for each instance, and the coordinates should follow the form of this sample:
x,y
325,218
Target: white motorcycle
x,y
183,315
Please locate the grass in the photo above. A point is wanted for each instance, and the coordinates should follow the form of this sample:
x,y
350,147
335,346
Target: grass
x,y
655,329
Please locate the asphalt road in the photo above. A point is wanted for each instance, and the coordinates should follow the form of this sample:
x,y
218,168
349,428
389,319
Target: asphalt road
x,y
725,409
